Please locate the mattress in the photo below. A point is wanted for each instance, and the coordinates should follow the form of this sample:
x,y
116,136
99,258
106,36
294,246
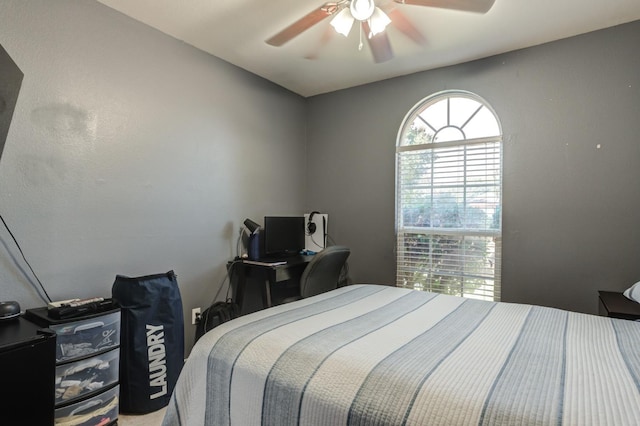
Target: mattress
x,y
379,355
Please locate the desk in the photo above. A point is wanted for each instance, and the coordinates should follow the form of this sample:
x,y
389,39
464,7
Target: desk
x,y
244,276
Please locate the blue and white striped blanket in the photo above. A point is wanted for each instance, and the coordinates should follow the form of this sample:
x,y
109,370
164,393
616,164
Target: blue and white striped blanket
x,y
378,355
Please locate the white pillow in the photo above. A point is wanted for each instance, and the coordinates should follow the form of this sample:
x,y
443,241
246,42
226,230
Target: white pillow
x,y
633,292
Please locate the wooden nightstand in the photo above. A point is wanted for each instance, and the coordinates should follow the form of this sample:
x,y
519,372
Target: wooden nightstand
x,y
616,305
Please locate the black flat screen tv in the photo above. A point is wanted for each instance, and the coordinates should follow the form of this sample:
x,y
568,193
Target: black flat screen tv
x,y
283,235
10,82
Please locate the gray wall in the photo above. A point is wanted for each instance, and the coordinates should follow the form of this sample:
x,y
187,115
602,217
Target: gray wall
x,y
133,153
570,219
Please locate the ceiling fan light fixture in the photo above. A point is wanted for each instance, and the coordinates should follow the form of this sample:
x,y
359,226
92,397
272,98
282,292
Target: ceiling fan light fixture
x,y
362,9
342,22
378,21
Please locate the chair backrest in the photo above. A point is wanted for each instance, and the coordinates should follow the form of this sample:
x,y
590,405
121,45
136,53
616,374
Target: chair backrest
x,y
323,272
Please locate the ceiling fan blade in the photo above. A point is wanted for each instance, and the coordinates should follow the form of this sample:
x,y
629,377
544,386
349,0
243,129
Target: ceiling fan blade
x,y
326,37
401,22
303,24
379,44
477,6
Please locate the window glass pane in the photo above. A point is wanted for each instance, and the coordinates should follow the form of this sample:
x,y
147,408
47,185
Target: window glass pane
x,y
448,134
461,109
436,114
417,134
451,264
483,124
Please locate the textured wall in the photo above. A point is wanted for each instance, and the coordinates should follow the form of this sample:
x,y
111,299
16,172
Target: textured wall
x,y
570,222
133,153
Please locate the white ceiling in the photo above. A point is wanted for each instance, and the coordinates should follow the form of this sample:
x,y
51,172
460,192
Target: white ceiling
x,y
236,30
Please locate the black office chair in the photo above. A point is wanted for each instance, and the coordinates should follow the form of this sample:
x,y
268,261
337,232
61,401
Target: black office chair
x,y
322,273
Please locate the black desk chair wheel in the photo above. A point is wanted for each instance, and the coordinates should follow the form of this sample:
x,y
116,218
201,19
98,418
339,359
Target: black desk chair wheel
x,y
322,273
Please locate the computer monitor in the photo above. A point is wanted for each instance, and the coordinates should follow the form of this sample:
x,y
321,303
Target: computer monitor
x,y
283,235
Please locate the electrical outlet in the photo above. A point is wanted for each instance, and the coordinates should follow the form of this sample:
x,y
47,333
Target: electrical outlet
x,y
195,315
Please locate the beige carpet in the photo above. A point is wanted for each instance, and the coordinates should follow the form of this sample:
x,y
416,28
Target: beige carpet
x,y
151,419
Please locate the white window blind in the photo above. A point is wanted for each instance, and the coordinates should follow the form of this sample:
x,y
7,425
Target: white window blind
x,y
449,197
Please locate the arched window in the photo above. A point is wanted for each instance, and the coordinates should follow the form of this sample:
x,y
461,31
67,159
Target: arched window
x,y
449,197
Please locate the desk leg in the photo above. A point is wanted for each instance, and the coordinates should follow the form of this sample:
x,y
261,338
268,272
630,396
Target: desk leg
x,y
237,281
267,293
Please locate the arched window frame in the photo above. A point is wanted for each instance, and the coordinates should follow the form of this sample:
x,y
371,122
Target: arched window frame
x,y
460,254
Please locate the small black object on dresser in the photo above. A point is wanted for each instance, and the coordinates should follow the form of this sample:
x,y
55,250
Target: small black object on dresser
x,y
616,305
27,367
87,361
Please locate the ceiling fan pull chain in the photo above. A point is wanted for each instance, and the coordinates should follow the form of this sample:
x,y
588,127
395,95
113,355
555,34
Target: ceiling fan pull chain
x,y
360,45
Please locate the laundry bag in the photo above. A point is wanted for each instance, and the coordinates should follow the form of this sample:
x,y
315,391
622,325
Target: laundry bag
x,y
151,340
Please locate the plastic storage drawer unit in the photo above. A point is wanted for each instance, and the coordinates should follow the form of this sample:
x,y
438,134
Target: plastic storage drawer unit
x,y
79,378
77,338
101,409
87,366
82,338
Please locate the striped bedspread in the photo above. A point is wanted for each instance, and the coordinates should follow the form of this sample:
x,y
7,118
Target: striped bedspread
x,y
378,355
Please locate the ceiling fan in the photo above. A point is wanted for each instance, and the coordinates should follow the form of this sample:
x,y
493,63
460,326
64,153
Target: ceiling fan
x,y
373,21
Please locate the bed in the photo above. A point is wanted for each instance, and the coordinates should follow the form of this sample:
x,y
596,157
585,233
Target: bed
x,y
379,355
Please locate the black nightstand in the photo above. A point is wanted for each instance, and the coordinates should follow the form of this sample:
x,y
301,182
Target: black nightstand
x,y
616,305
27,368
